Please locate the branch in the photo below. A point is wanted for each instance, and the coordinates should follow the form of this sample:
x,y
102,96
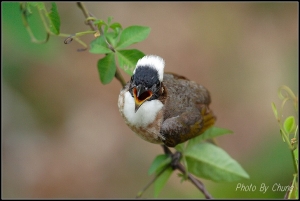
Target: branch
x,y
195,181
87,15
181,168
119,77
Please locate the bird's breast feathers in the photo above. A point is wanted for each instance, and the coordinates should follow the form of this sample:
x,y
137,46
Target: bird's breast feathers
x,y
146,122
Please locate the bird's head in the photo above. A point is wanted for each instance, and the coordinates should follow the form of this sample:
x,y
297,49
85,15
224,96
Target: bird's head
x,y
145,83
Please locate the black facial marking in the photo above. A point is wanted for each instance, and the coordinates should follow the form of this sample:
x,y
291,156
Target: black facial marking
x,y
146,76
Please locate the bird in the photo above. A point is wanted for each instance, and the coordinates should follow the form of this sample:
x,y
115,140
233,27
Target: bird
x,y
164,108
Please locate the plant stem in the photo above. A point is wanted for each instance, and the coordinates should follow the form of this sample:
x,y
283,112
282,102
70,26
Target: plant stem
x,y
195,181
86,15
291,147
81,5
119,77
294,161
182,169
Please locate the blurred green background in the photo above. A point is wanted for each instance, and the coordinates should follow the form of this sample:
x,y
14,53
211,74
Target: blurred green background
x,y
63,136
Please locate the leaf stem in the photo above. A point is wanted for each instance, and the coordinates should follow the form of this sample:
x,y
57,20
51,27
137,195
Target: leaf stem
x,y
44,21
84,33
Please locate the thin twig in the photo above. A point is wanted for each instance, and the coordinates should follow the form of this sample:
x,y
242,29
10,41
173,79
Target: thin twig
x,y
119,77
81,5
181,168
86,15
195,181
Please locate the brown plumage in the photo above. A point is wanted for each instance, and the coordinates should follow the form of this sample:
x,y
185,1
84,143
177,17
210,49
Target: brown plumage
x,y
186,112
183,110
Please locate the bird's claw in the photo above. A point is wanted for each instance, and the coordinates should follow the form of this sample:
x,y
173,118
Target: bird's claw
x,y
175,159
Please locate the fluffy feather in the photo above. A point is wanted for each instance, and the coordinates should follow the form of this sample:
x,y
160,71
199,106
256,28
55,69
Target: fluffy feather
x,y
145,114
152,61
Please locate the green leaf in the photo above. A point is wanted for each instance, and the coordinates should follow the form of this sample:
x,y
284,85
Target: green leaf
x,y
131,35
161,181
39,5
209,133
211,162
159,163
289,124
182,177
112,38
26,8
99,23
117,28
128,58
116,25
180,147
55,19
109,19
107,68
99,46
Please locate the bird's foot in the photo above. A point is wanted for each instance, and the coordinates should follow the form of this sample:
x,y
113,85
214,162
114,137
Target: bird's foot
x,y
175,159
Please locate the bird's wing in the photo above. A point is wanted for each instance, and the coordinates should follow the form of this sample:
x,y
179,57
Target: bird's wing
x,y
186,114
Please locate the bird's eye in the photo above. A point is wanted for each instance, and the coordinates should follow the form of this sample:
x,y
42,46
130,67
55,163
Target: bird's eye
x,y
155,88
158,85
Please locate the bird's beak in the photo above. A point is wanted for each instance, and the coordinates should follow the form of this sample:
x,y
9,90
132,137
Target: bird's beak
x,y
140,95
